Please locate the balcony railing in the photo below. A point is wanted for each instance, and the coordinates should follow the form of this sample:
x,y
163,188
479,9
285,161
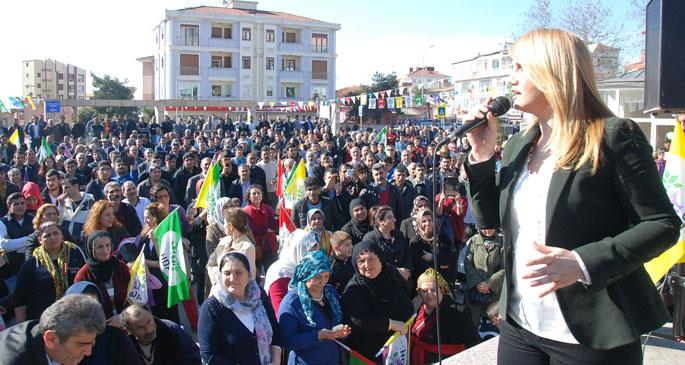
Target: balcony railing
x,y
319,48
319,75
189,70
189,40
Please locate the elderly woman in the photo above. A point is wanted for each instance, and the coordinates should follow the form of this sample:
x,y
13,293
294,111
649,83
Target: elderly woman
x,y
46,276
281,272
101,218
262,222
110,274
423,244
374,302
359,225
456,329
409,226
310,313
237,323
391,241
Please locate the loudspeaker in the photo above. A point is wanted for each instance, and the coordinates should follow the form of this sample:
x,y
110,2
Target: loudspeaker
x,y
665,57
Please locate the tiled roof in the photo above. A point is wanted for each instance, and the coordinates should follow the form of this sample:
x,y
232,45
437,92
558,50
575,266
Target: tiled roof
x,y
426,73
247,12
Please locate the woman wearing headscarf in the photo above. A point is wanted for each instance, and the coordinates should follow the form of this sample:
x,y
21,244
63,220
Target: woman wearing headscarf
x,y
421,248
46,276
237,323
409,226
309,313
280,273
238,238
112,347
110,274
358,226
215,232
31,192
315,219
456,330
374,302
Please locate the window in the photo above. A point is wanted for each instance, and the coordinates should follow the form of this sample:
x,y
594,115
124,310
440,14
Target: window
x,y
60,76
81,89
319,43
222,89
269,92
60,87
270,35
270,63
484,85
289,37
190,35
506,62
246,63
187,91
222,31
38,85
289,65
37,74
190,64
319,70
247,34
495,64
221,61
290,92
318,92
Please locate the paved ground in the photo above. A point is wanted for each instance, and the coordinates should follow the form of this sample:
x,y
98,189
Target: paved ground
x,y
657,352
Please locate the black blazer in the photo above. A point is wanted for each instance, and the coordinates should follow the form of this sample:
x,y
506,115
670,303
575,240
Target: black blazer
x,y
22,344
616,220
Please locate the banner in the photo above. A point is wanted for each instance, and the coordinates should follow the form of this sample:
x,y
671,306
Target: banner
x,y
137,287
172,258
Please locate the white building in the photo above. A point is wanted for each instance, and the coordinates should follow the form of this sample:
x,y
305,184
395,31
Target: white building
x,y
240,53
50,79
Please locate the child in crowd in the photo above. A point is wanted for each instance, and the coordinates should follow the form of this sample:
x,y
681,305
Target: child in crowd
x,y
341,265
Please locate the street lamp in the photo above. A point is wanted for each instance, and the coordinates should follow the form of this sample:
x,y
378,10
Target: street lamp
x,y
423,78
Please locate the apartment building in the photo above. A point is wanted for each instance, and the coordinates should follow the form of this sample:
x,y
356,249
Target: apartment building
x,y
50,79
238,52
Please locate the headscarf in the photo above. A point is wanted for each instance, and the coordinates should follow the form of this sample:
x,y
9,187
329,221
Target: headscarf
x,y
311,265
57,273
429,276
31,189
80,288
417,219
300,244
358,228
219,212
252,304
101,270
322,236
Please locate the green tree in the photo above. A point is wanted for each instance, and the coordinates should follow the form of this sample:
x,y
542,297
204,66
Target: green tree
x,y
381,82
111,88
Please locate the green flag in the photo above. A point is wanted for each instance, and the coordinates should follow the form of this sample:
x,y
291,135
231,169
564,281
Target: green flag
x,y
45,150
172,258
382,137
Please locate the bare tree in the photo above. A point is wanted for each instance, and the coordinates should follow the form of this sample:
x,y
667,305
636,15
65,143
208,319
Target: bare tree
x,y
590,20
539,15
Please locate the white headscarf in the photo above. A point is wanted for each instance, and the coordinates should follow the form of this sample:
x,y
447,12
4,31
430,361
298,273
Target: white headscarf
x,y
301,243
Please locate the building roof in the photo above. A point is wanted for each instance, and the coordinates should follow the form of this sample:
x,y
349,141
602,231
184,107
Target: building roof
x,y
275,15
422,72
481,55
628,80
343,92
146,59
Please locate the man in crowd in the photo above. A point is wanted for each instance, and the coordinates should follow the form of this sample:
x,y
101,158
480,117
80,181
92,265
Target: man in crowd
x,y
313,199
124,212
139,203
74,206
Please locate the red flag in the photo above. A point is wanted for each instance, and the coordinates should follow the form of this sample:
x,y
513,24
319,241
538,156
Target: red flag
x,y
279,183
358,359
284,219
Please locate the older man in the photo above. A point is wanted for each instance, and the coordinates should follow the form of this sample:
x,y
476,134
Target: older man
x,y
139,203
125,213
65,334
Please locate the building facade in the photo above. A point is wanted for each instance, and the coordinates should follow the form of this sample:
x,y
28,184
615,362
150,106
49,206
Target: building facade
x,y
237,52
50,79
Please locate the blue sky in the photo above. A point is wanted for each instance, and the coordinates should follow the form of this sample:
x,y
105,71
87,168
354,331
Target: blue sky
x,y
376,35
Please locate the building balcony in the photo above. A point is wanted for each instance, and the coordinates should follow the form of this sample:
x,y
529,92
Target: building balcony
x,y
319,49
319,75
222,72
291,75
222,43
189,70
189,41
292,47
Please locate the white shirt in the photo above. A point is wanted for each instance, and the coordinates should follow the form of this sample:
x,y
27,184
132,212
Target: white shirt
x,y
11,244
541,316
140,207
270,170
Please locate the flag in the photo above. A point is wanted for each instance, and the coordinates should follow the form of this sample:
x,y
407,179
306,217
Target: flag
x,y
372,103
172,258
359,359
13,103
391,102
14,138
279,177
294,187
29,100
396,349
3,109
673,180
210,192
137,287
382,136
45,150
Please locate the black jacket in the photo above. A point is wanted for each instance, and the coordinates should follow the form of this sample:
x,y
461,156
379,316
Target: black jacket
x,y
396,250
615,219
236,189
22,344
370,196
330,219
173,345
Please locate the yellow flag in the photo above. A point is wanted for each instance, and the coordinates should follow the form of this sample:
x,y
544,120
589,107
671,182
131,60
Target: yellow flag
x,y
674,183
14,138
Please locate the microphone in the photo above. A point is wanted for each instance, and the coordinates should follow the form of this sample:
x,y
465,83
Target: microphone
x,y
498,106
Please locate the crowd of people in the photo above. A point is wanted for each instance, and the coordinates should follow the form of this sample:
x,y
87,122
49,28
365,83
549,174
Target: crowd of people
x,y
358,265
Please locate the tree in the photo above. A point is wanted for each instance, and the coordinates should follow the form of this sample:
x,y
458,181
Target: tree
x,y
381,82
590,20
111,88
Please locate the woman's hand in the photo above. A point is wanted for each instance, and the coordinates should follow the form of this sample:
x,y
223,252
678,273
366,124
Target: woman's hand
x,y
398,326
554,269
343,332
483,287
483,138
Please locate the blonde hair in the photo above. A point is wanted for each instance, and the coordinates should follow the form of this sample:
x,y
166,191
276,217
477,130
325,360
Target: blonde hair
x,y
560,66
